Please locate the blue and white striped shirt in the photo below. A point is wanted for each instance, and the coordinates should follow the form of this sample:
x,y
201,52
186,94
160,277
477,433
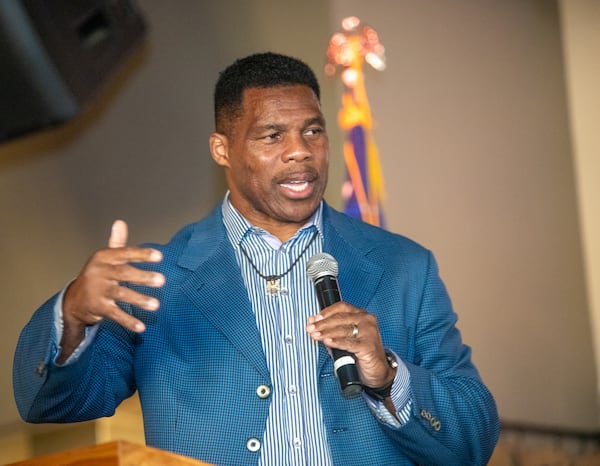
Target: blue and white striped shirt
x,y
295,432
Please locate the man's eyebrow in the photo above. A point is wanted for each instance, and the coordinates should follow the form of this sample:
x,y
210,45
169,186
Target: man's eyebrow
x,y
269,127
319,120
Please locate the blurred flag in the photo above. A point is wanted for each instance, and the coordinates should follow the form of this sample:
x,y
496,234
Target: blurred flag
x,y
362,191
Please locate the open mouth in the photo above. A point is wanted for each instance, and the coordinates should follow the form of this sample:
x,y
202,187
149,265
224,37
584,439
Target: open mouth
x,y
296,186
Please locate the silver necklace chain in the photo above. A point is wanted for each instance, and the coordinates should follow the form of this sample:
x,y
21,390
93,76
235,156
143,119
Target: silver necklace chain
x,y
273,280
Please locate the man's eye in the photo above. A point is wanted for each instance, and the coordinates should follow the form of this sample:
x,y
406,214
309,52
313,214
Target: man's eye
x,y
273,136
314,131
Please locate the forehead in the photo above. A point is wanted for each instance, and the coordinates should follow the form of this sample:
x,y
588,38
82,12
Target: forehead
x,y
279,101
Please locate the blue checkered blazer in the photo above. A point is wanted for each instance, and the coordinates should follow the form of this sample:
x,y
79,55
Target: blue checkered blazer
x,y
199,363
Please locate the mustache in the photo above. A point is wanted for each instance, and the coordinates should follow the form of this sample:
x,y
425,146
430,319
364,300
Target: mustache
x,y
305,174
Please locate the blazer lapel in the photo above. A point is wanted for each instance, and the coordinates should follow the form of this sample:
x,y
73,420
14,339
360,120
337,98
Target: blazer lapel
x,y
358,277
217,289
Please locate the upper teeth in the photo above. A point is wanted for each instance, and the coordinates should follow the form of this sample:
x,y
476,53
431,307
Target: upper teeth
x,y
296,185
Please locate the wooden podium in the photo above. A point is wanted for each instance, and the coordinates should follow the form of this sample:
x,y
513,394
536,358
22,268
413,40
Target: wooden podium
x,y
112,454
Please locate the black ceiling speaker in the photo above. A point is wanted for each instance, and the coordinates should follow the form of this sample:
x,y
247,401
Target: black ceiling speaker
x,y
55,55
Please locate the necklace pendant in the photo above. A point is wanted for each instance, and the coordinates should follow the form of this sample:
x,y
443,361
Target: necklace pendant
x,y
273,286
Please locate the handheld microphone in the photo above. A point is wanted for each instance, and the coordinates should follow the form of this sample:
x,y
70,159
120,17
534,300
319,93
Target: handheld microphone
x,y
322,269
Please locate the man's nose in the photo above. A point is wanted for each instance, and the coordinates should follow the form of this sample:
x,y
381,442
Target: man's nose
x,y
297,151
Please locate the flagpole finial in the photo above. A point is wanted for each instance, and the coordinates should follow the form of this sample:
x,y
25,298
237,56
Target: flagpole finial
x,y
356,42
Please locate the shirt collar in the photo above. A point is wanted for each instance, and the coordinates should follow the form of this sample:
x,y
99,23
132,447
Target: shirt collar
x,y
238,226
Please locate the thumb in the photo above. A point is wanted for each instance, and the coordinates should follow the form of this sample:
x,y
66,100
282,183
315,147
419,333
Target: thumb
x,y
118,235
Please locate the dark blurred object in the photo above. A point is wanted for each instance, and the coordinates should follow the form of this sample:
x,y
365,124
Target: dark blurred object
x,y
55,55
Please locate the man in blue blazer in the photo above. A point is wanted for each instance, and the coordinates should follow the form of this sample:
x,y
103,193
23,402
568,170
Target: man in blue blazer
x,y
220,330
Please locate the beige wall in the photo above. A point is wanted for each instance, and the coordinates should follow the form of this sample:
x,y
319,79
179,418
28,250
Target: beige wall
x,y
473,130
581,33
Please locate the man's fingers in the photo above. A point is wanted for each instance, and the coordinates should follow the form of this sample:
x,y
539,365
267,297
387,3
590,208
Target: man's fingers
x,y
118,240
127,295
126,320
110,309
136,299
122,272
124,255
118,235
343,326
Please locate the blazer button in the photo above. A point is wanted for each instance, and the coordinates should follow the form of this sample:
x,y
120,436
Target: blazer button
x,y
263,391
40,369
253,444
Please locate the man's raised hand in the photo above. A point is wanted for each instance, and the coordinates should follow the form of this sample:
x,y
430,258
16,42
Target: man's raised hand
x,y
94,294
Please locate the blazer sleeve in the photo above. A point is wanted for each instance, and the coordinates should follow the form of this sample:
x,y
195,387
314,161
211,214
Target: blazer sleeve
x,y
91,387
454,420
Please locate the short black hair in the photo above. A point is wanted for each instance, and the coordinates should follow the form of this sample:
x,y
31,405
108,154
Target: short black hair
x,y
264,70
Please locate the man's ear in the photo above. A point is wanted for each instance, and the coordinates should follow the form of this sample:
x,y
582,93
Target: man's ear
x,y
219,149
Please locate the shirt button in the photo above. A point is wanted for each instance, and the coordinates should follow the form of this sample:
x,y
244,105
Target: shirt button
x,y
293,390
253,444
263,391
297,442
288,339
283,292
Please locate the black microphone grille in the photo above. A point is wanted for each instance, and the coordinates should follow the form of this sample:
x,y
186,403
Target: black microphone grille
x,y
321,264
